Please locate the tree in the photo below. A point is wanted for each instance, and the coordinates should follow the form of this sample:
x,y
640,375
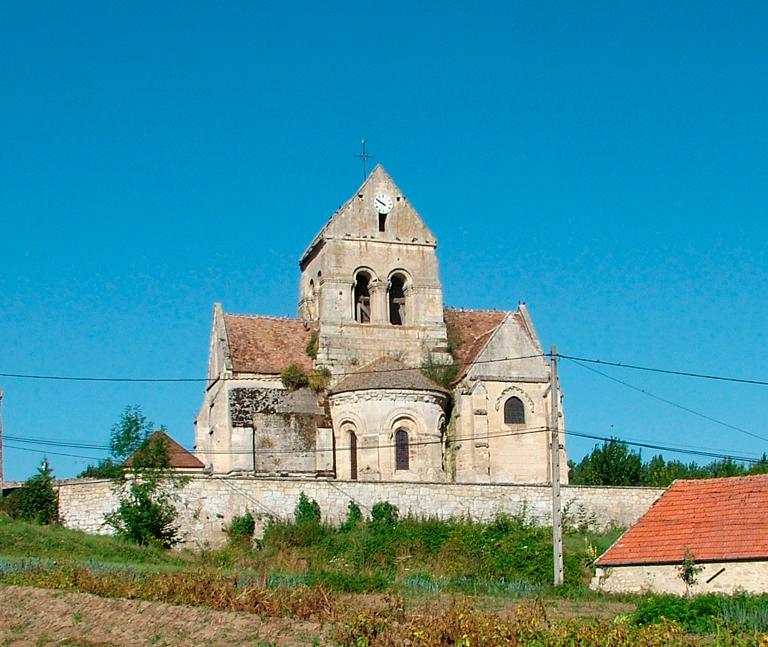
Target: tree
x,y
127,435
613,463
145,513
761,466
36,499
688,571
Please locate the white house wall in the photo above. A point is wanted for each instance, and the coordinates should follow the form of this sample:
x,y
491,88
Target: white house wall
x,y
715,577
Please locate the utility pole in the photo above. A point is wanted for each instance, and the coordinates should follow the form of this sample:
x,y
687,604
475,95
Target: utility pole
x,y
554,429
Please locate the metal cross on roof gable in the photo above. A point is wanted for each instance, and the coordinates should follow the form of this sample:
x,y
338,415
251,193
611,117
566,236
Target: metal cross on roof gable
x,y
364,157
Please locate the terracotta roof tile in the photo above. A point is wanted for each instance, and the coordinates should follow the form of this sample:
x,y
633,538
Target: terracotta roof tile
x,y
473,328
386,373
267,344
179,457
716,519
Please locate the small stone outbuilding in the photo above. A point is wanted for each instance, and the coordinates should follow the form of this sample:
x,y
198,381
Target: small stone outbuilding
x,y
722,523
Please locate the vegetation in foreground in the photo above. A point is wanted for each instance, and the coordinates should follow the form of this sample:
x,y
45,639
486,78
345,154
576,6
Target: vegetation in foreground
x,y
435,582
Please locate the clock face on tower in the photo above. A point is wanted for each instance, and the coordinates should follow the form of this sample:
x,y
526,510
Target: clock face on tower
x,y
383,203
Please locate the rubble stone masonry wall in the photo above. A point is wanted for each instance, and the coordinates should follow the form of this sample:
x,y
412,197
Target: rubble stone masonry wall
x,y
207,503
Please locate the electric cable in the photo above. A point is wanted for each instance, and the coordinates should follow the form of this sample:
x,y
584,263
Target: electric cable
x,y
666,371
670,402
155,380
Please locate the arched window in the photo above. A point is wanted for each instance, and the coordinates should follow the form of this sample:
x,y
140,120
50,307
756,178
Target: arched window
x,y
352,456
402,458
362,297
397,300
514,411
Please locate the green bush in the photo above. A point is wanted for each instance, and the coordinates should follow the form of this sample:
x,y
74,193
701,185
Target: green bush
x,y
36,499
240,530
354,517
698,614
294,377
307,510
384,515
145,515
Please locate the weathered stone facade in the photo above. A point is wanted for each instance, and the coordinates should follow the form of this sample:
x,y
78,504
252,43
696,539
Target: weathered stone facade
x,y
371,310
207,504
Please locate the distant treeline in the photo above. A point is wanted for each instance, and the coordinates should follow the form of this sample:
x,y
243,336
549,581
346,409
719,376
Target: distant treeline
x,y
613,463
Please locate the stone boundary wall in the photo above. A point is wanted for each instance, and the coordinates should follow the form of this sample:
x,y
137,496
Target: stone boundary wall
x,y
207,503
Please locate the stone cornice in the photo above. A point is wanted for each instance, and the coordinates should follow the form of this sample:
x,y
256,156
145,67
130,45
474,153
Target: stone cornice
x,y
384,395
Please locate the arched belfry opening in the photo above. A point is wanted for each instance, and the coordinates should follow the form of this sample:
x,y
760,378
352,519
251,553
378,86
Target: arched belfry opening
x,y
397,300
362,297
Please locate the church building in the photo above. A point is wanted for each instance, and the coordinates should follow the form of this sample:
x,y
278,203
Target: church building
x,y
375,379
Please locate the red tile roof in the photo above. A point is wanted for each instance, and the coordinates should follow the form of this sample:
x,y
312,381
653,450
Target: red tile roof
x,y
179,457
267,344
473,328
716,519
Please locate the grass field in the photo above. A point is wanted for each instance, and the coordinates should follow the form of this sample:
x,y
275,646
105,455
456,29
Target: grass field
x,y
385,582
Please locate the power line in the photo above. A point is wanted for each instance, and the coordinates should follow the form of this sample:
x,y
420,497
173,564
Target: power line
x,y
666,371
155,380
666,448
55,443
46,452
669,402
679,449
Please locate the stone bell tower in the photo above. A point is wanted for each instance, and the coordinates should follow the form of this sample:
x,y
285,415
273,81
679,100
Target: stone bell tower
x,y
370,280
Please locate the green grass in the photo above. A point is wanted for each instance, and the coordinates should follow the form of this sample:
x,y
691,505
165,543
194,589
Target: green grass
x,y
22,539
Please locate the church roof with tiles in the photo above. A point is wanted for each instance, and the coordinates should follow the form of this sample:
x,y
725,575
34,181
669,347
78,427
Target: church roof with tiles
x,y
717,520
386,373
471,330
267,344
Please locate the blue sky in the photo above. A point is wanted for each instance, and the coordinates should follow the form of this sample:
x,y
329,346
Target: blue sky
x,y
606,163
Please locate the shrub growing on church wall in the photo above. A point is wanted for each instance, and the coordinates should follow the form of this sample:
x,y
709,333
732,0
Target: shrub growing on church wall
x,y
294,377
313,345
442,374
319,379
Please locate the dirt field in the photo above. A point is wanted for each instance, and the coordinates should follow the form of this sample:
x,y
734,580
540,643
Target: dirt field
x,y
30,616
